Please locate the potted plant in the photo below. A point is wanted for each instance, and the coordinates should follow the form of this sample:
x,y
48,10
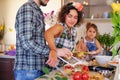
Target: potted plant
x,y
115,18
106,40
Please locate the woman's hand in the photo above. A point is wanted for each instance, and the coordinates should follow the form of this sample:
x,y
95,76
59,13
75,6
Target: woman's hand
x,y
64,52
53,60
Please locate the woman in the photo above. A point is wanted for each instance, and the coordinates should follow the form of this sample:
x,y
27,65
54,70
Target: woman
x,y
61,37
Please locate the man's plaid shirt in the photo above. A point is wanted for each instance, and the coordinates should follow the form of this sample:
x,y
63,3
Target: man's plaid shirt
x,y
31,48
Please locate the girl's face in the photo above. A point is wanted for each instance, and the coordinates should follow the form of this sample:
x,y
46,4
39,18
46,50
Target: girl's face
x,y
71,18
91,33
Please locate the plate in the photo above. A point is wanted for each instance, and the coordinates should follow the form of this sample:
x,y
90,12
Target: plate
x,y
91,52
106,78
113,63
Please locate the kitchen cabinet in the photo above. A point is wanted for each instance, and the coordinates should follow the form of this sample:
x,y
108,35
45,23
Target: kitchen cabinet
x,y
6,69
95,9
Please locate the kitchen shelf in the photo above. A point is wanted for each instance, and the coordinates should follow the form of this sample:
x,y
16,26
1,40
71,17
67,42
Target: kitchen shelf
x,y
95,5
96,9
104,19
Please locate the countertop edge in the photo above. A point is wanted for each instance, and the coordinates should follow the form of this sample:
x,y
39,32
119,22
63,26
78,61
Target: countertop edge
x,y
7,56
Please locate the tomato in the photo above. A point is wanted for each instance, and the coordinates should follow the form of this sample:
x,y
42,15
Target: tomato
x,y
68,67
85,69
85,76
77,76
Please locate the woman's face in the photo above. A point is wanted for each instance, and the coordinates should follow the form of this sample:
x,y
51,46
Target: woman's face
x,y
71,18
91,33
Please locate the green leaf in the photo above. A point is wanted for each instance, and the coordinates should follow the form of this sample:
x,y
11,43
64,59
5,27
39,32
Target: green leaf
x,y
57,74
58,78
45,70
45,77
52,79
117,39
61,78
114,18
114,51
65,78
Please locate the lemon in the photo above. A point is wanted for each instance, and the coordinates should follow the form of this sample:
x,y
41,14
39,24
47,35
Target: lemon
x,y
81,54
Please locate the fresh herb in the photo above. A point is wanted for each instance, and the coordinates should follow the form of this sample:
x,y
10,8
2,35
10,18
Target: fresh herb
x,y
45,70
106,41
55,77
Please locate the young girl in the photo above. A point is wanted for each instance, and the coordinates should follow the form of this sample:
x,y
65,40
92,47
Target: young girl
x,y
89,43
61,37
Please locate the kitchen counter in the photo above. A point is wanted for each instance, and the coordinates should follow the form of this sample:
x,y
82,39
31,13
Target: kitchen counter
x,y
117,73
6,67
115,77
2,55
7,56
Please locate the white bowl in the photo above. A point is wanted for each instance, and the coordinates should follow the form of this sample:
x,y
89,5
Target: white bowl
x,y
102,59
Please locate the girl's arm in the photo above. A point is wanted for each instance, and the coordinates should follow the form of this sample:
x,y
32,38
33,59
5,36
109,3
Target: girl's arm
x,y
98,46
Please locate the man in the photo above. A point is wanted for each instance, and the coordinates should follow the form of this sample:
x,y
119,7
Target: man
x,y
31,48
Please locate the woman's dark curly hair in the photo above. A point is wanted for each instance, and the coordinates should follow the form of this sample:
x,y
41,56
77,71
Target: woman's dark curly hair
x,y
66,10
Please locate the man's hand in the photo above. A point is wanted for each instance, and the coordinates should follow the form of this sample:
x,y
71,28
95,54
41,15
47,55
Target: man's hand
x,y
64,52
52,61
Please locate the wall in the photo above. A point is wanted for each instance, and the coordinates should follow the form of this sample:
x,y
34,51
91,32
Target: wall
x,y
52,5
104,26
11,7
10,10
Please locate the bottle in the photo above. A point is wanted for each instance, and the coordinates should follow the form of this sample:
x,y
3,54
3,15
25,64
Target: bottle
x,y
92,16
